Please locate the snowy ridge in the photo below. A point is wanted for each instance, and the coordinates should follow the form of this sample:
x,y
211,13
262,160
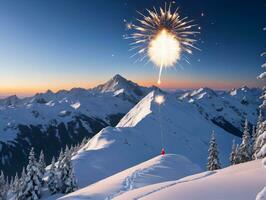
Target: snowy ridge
x,y
141,110
242,181
158,169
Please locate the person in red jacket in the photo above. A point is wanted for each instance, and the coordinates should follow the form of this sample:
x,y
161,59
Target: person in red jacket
x,y
162,152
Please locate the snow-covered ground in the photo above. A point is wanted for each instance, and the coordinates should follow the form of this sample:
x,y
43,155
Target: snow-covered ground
x,y
138,137
156,170
240,182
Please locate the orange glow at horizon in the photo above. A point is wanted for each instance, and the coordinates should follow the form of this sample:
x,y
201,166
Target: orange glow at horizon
x,y
23,89
28,90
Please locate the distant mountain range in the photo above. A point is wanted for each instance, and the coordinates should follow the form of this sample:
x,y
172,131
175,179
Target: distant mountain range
x,y
49,121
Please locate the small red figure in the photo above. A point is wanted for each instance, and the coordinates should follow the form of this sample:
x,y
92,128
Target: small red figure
x,y
162,152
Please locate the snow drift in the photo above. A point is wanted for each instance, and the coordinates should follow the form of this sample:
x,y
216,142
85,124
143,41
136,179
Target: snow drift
x,y
239,182
156,170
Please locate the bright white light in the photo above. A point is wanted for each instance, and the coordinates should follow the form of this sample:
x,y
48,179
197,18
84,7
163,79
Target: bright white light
x,y
163,36
164,50
159,99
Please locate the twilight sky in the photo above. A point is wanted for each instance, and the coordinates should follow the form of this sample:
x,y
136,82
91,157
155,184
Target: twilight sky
x,y
60,44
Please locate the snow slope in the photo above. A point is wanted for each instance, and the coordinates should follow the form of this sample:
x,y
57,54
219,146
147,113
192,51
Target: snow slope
x,y
137,138
156,170
239,182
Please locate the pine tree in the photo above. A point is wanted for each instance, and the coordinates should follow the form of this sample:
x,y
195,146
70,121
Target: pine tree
x,y
11,183
259,130
42,166
213,159
7,184
237,158
261,137
42,163
32,187
52,181
60,160
234,154
67,175
261,142
3,187
244,148
20,195
253,141
15,184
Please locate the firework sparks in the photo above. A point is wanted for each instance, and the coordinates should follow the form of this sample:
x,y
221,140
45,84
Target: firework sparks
x,y
159,99
162,36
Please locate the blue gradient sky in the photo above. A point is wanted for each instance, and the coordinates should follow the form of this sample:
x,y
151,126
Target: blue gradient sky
x,y
56,44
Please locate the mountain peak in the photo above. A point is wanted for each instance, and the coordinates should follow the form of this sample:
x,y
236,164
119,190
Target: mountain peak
x,y
200,93
49,92
126,89
118,77
11,100
116,83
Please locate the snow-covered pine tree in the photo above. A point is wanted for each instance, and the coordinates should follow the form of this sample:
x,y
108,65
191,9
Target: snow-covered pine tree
x,y
261,142
72,150
59,167
3,188
42,166
259,130
261,137
15,184
213,158
76,148
11,183
237,158
7,184
253,141
60,159
67,151
19,193
52,181
32,187
233,154
67,175
245,147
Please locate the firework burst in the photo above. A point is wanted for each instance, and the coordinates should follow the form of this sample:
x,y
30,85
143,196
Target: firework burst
x,y
162,36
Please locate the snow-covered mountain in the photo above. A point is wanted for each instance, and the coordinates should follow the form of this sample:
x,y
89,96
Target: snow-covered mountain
x,y
240,182
226,109
127,90
49,121
138,137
